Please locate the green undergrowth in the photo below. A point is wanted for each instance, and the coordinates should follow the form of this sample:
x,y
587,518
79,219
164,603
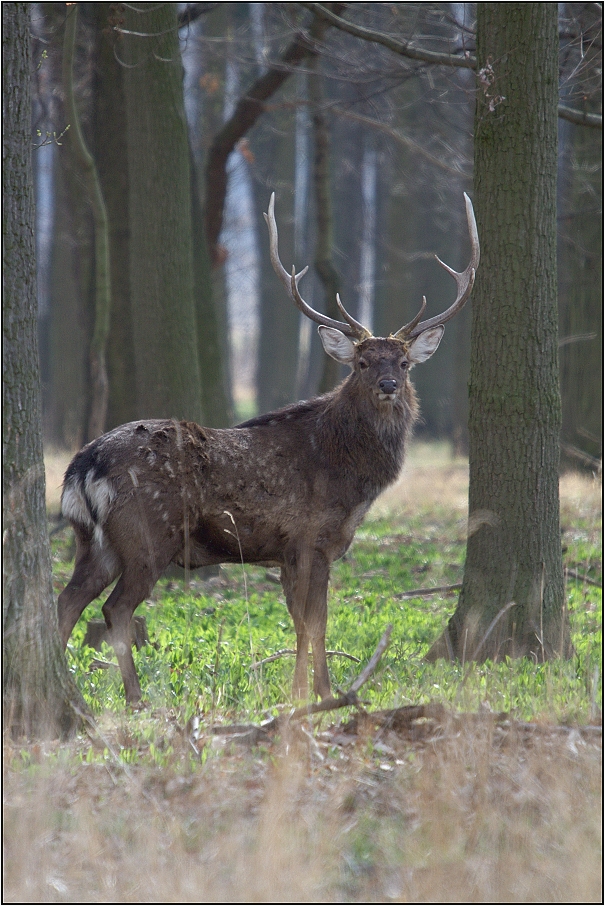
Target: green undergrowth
x,y
210,638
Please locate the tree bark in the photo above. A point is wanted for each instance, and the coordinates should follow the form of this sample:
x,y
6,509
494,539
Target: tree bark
x,y
111,155
87,172
278,342
580,214
324,241
512,600
39,697
159,177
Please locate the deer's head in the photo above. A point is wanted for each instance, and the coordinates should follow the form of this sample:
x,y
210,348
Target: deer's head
x,y
382,363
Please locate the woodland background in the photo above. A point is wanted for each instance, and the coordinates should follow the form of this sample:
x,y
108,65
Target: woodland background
x,y
368,151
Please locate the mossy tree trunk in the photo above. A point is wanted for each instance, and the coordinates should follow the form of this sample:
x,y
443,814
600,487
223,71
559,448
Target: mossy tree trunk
x,y
39,697
581,301
512,599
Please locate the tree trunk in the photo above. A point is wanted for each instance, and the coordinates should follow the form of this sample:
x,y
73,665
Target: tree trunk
x,y
512,600
324,242
89,177
581,300
161,258
278,342
112,161
213,357
39,697
71,266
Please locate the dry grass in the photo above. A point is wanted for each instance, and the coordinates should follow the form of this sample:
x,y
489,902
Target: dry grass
x,y
470,815
430,479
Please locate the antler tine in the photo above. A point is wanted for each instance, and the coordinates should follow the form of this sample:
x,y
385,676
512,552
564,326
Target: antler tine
x,y
360,331
278,267
464,282
411,324
290,281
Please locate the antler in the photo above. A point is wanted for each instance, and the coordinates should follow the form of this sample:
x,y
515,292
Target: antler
x,y
352,328
464,282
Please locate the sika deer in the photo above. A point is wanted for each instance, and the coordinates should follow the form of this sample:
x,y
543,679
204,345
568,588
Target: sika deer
x,y
285,489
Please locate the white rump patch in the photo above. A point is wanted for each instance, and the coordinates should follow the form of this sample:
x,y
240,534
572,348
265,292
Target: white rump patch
x,y
101,493
73,505
99,536
105,554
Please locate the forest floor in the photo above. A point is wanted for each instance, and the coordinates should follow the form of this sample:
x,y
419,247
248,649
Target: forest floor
x,y
445,787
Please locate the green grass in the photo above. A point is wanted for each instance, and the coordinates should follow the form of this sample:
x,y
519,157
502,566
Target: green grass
x,y
208,637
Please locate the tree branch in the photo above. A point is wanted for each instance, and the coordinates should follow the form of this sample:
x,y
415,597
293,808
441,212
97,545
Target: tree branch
x,y
398,137
580,117
249,107
407,49
427,592
252,733
404,49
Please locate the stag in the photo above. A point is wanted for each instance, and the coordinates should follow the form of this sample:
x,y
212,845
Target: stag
x,y
286,489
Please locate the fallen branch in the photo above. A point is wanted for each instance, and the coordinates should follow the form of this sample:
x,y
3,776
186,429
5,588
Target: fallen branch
x,y
253,733
426,592
349,697
285,652
582,578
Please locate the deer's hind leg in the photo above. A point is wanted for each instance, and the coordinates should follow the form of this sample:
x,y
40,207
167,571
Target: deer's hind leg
x,y
138,578
96,567
131,589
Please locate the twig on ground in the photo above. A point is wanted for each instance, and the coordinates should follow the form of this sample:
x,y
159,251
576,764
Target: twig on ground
x,y
98,664
574,574
284,652
253,732
426,592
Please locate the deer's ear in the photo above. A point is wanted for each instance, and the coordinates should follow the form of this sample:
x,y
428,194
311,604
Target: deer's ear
x,y
425,345
337,345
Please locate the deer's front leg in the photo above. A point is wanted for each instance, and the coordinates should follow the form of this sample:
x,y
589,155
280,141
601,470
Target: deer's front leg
x,y
316,617
305,581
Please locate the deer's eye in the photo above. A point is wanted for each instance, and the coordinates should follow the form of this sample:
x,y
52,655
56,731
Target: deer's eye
x,y
403,364
363,364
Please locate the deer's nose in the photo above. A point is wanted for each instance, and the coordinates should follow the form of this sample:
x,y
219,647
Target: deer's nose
x,y
388,385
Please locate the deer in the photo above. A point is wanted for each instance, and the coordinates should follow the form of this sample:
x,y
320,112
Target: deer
x,y
286,489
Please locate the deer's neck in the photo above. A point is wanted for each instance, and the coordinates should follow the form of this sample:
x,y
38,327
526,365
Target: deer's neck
x,y
367,441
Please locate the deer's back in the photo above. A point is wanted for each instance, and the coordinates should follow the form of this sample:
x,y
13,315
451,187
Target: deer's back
x,y
218,495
